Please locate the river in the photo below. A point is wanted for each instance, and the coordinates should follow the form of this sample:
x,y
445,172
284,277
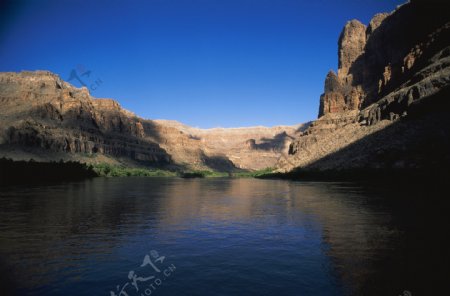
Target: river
x,y
219,236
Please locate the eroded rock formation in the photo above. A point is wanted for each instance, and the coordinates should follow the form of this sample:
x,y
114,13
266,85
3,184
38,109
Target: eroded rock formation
x,y
390,71
43,116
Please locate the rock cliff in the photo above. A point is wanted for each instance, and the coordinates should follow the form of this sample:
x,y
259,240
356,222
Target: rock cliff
x,y
392,74
385,107
43,117
39,110
245,147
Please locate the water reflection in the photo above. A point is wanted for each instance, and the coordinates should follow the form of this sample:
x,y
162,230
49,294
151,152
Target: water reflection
x,y
226,236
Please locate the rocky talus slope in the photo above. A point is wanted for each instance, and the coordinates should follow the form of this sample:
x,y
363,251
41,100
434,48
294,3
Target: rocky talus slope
x,y
387,105
44,118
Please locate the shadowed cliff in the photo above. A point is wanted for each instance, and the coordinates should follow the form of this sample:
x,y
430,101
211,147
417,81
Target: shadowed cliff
x,y
386,110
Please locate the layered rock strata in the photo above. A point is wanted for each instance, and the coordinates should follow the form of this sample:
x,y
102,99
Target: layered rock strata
x,y
43,115
389,71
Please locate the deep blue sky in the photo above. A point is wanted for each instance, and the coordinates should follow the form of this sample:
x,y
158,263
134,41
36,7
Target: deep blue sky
x,y
205,63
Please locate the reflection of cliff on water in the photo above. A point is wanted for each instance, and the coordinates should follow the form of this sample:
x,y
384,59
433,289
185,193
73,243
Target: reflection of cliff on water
x,y
376,237
377,241
358,234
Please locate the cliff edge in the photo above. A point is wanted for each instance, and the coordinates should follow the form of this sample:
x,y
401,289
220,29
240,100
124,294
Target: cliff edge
x,y
387,105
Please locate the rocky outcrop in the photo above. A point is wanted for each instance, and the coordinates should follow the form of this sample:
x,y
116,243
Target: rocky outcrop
x,y
39,110
342,91
352,42
389,71
42,114
377,59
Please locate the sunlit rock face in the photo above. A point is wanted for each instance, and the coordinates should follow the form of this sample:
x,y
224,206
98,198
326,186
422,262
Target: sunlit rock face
x,y
40,111
380,58
43,117
389,72
242,148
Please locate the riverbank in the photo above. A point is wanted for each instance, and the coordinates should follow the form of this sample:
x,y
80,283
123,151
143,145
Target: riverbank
x,y
107,170
395,176
19,172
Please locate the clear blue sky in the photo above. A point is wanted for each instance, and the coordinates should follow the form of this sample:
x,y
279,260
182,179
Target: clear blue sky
x,y
205,63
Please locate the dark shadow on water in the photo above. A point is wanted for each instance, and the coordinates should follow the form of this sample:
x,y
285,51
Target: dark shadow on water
x,y
403,169
29,172
418,255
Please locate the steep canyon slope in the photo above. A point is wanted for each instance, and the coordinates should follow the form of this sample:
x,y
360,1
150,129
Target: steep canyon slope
x,y
387,107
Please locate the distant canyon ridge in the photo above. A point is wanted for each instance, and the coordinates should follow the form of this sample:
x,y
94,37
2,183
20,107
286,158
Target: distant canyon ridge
x,y
386,107
46,118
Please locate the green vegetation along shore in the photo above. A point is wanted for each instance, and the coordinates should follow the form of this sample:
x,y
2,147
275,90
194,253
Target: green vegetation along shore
x,y
107,170
18,172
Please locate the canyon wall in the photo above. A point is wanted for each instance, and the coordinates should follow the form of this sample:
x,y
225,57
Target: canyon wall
x,y
45,118
39,110
387,105
386,55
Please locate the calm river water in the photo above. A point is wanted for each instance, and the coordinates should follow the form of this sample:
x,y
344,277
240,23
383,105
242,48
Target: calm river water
x,y
170,236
